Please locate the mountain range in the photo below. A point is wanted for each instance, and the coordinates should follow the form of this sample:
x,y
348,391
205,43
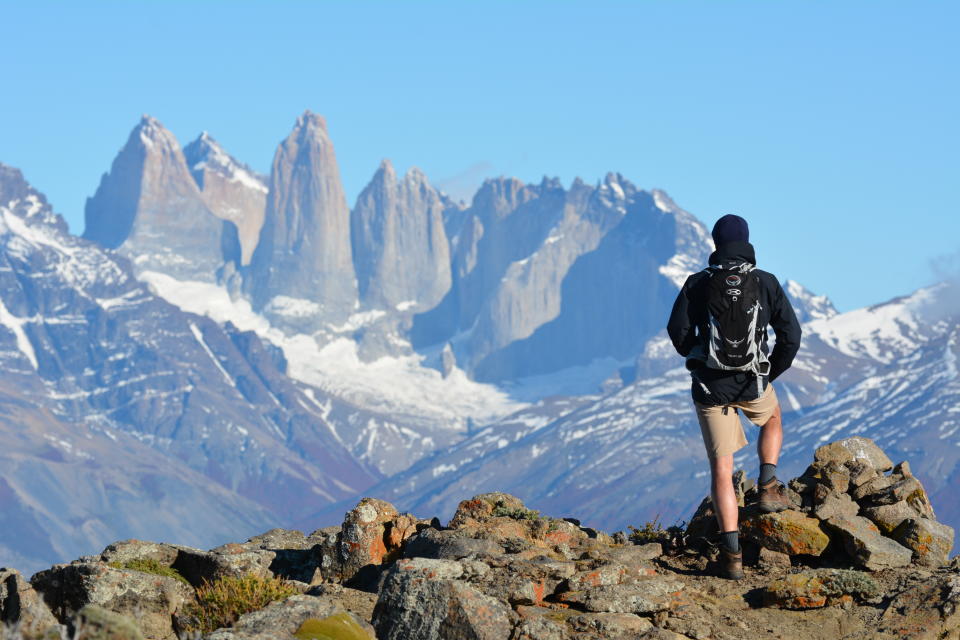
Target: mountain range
x,y
222,351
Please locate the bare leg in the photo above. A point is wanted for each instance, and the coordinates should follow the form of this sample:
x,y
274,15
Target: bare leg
x,y
771,439
721,489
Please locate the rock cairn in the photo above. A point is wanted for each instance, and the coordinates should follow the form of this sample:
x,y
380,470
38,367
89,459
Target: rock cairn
x,y
860,556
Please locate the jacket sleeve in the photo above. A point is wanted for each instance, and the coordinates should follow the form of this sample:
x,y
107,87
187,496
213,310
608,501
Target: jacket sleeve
x,y
681,327
787,329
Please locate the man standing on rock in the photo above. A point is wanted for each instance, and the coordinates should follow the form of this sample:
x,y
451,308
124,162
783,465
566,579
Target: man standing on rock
x,y
719,324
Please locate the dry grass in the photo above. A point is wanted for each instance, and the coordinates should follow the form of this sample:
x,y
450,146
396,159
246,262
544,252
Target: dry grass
x,y
221,603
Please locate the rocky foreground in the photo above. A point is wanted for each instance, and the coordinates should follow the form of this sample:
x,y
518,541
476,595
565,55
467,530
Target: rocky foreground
x,y
860,555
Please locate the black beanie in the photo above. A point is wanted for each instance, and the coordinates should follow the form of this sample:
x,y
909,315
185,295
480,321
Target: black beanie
x,y
730,228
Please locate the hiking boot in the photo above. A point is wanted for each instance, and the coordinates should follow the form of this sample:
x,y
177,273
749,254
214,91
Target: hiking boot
x,y
772,497
729,564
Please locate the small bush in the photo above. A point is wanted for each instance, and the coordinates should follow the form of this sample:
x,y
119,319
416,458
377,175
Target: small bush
x,y
146,565
653,531
221,603
518,513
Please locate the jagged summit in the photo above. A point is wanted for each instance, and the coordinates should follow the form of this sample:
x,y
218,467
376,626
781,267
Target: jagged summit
x,y
808,305
150,209
233,192
400,247
303,260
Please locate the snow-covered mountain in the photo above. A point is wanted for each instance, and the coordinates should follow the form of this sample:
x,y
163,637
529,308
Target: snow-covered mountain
x,y
268,354
111,394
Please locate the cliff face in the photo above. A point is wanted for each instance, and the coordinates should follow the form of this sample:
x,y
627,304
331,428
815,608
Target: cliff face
x,y
400,247
232,191
303,264
499,570
150,209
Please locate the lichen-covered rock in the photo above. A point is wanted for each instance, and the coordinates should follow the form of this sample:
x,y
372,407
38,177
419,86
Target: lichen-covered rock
x,y
151,599
283,619
21,605
930,541
373,533
131,550
789,532
339,626
504,518
812,589
646,595
423,598
96,623
865,544
849,450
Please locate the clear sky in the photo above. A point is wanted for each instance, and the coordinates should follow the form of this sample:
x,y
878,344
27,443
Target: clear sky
x,y
831,126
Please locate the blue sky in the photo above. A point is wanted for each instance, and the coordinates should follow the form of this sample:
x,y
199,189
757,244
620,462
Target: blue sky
x,y
831,126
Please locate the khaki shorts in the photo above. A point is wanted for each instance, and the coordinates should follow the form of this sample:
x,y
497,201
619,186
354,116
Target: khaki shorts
x,y
723,433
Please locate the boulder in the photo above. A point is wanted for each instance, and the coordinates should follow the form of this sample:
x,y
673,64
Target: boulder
x,y
790,532
96,623
448,545
888,517
127,551
930,541
504,519
865,544
850,450
288,617
836,504
373,533
423,598
21,605
813,589
230,560
646,595
151,599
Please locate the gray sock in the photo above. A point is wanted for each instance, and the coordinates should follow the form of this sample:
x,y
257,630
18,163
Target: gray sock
x,y
730,540
767,472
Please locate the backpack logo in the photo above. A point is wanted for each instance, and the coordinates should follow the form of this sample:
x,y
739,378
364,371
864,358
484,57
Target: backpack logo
x,y
733,280
735,343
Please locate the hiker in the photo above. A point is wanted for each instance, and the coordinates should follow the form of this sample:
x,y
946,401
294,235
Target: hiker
x,y
719,324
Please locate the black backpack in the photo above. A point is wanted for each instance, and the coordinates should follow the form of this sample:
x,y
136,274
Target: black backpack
x,y
734,336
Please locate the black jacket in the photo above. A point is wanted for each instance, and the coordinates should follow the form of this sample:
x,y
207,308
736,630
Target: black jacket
x,y
688,322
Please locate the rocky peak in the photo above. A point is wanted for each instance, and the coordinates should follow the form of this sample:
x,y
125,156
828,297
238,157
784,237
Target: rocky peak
x,y
149,207
233,192
20,198
304,252
806,304
400,248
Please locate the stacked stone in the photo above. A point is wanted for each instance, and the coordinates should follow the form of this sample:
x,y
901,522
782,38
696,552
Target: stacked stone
x,y
851,501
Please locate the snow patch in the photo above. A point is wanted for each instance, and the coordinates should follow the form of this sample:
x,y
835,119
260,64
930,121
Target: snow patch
x,y
15,324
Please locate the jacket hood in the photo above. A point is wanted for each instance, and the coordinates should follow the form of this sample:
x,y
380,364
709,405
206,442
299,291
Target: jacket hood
x,y
733,253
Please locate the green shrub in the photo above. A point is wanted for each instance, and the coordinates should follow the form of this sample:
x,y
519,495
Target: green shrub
x,y
221,603
517,513
147,565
